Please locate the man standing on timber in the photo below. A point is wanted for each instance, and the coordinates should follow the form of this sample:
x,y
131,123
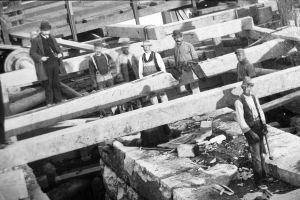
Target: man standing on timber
x,y
149,63
184,52
244,67
47,57
127,64
100,68
252,121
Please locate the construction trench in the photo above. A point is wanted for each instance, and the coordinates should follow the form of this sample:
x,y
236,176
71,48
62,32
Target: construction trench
x,y
188,148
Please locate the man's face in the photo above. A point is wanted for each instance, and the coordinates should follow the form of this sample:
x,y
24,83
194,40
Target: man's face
x,y
240,56
247,89
147,48
178,39
125,50
46,33
98,50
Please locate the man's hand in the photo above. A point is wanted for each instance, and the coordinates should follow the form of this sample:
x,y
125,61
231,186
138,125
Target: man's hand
x,y
265,129
59,55
252,137
44,58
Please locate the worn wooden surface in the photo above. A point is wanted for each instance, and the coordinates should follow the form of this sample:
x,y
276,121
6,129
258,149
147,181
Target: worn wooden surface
x,y
145,118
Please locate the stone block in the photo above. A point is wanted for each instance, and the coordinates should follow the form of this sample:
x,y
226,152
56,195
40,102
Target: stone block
x,y
285,150
196,193
116,188
187,150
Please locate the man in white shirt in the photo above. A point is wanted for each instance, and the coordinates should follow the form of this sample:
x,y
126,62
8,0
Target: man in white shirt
x,y
149,63
127,64
252,121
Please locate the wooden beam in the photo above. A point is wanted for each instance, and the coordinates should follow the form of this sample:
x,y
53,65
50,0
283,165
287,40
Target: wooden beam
x,y
3,24
135,10
22,77
281,101
267,50
70,13
70,139
117,95
159,32
75,45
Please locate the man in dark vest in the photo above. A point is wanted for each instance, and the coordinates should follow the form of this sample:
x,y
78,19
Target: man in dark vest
x,y
252,121
47,57
244,67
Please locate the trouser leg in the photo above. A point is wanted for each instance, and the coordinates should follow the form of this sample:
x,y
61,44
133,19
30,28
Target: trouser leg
x,y
48,84
154,99
195,88
256,154
56,85
163,97
2,114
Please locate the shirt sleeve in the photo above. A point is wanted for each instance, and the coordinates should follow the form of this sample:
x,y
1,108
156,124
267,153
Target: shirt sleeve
x,y
240,116
261,112
250,70
140,67
160,62
193,53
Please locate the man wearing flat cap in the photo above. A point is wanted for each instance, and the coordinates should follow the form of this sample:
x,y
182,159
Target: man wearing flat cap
x,y
244,67
47,57
184,52
252,121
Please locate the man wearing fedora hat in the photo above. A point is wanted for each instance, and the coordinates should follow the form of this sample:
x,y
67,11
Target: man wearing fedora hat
x,y
47,57
244,67
183,53
149,63
252,121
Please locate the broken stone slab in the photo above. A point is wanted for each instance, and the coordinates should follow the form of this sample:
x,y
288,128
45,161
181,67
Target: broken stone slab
x,y
285,148
204,192
148,172
293,195
116,188
226,124
218,174
187,150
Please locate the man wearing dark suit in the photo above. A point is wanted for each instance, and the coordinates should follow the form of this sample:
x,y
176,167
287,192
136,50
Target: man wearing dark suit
x,y
3,141
47,57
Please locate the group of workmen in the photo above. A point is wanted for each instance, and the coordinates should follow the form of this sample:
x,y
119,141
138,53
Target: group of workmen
x,y
47,57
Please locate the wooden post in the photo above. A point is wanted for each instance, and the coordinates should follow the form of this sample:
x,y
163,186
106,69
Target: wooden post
x,y
195,11
133,4
285,9
3,25
71,19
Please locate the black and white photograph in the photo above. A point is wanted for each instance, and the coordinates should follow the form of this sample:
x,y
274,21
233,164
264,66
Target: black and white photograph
x,y
150,100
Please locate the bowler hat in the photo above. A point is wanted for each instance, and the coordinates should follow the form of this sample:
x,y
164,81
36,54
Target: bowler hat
x,y
177,33
98,44
247,81
45,26
146,43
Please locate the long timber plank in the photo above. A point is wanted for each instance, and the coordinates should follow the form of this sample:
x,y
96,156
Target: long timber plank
x,y
268,50
159,32
145,118
117,95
